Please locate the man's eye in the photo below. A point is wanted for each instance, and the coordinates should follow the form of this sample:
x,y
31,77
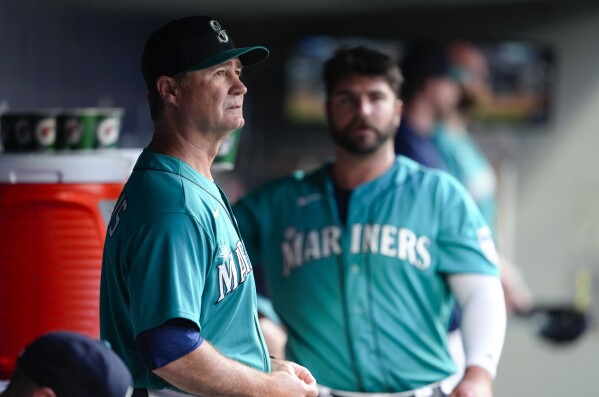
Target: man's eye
x,y
346,99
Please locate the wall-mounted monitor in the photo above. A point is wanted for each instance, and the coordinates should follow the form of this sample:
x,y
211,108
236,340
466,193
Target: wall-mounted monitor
x,y
521,76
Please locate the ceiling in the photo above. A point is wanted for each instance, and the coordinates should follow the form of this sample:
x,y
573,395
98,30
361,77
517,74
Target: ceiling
x,y
276,7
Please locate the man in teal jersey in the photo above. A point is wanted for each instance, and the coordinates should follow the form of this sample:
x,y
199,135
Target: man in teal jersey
x,y
462,157
177,299
362,256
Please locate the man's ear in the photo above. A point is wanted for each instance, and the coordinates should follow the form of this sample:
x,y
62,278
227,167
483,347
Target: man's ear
x,y
44,392
167,88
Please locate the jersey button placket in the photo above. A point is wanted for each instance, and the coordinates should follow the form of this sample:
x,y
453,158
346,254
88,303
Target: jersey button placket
x,y
355,271
356,300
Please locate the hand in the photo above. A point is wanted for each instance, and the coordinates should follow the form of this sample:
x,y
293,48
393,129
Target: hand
x,y
476,382
290,385
293,369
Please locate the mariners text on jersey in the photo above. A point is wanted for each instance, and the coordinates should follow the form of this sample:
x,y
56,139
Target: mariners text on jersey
x,y
300,247
231,272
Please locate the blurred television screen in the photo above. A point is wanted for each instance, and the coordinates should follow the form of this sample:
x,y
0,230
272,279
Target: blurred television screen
x,y
305,92
521,75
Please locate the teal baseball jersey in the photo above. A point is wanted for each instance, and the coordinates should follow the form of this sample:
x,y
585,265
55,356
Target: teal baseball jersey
x,y
465,161
173,250
366,304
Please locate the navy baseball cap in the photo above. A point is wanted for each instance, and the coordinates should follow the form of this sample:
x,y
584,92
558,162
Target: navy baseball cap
x,y
75,365
192,43
423,62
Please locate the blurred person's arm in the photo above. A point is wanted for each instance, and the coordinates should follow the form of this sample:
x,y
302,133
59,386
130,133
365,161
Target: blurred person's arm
x,y
275,336
481,301
273,331
518,297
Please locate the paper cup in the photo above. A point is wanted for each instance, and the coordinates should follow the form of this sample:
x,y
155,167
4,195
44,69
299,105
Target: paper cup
x,y
108,127
89,128
28,131
76,129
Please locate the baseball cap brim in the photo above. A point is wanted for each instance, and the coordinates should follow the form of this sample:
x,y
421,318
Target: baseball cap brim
x,y
247,55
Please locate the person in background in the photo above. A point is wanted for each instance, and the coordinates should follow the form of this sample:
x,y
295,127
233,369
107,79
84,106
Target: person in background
x,y
429,93
177,296
68,364
363,256
464,159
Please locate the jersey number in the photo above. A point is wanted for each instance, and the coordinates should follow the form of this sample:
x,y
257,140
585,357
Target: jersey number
x,y
121,207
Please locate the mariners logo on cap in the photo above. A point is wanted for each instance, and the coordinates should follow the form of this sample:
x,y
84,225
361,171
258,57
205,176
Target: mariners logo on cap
x,y
220,33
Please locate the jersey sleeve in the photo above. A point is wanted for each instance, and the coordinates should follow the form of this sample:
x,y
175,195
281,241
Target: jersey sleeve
x,y
465,241
168,272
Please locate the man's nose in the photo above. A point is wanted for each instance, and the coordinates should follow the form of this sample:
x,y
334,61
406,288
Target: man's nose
x,y
238,87
364,107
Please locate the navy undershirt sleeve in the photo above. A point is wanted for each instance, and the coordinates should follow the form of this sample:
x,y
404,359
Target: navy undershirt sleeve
x,y
164,344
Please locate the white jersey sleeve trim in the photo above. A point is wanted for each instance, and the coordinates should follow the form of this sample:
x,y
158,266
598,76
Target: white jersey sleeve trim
x,y
483,324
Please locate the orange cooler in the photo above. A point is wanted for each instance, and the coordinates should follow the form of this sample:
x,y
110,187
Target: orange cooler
x,y
54,209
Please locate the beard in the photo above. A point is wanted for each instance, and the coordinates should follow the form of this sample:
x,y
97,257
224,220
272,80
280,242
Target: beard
x,y
356,144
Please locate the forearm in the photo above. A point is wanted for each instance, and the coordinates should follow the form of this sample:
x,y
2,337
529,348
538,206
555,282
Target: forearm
x,y
518,296
275,337
206,372
483,318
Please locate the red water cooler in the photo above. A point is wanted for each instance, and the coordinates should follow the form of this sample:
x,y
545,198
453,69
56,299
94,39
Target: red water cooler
x,y
53,214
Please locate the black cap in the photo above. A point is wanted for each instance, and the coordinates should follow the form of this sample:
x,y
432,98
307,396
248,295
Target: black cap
x,y
75,365
192,43
423,62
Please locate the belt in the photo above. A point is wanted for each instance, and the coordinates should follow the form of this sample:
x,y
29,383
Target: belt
x,y
432,390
